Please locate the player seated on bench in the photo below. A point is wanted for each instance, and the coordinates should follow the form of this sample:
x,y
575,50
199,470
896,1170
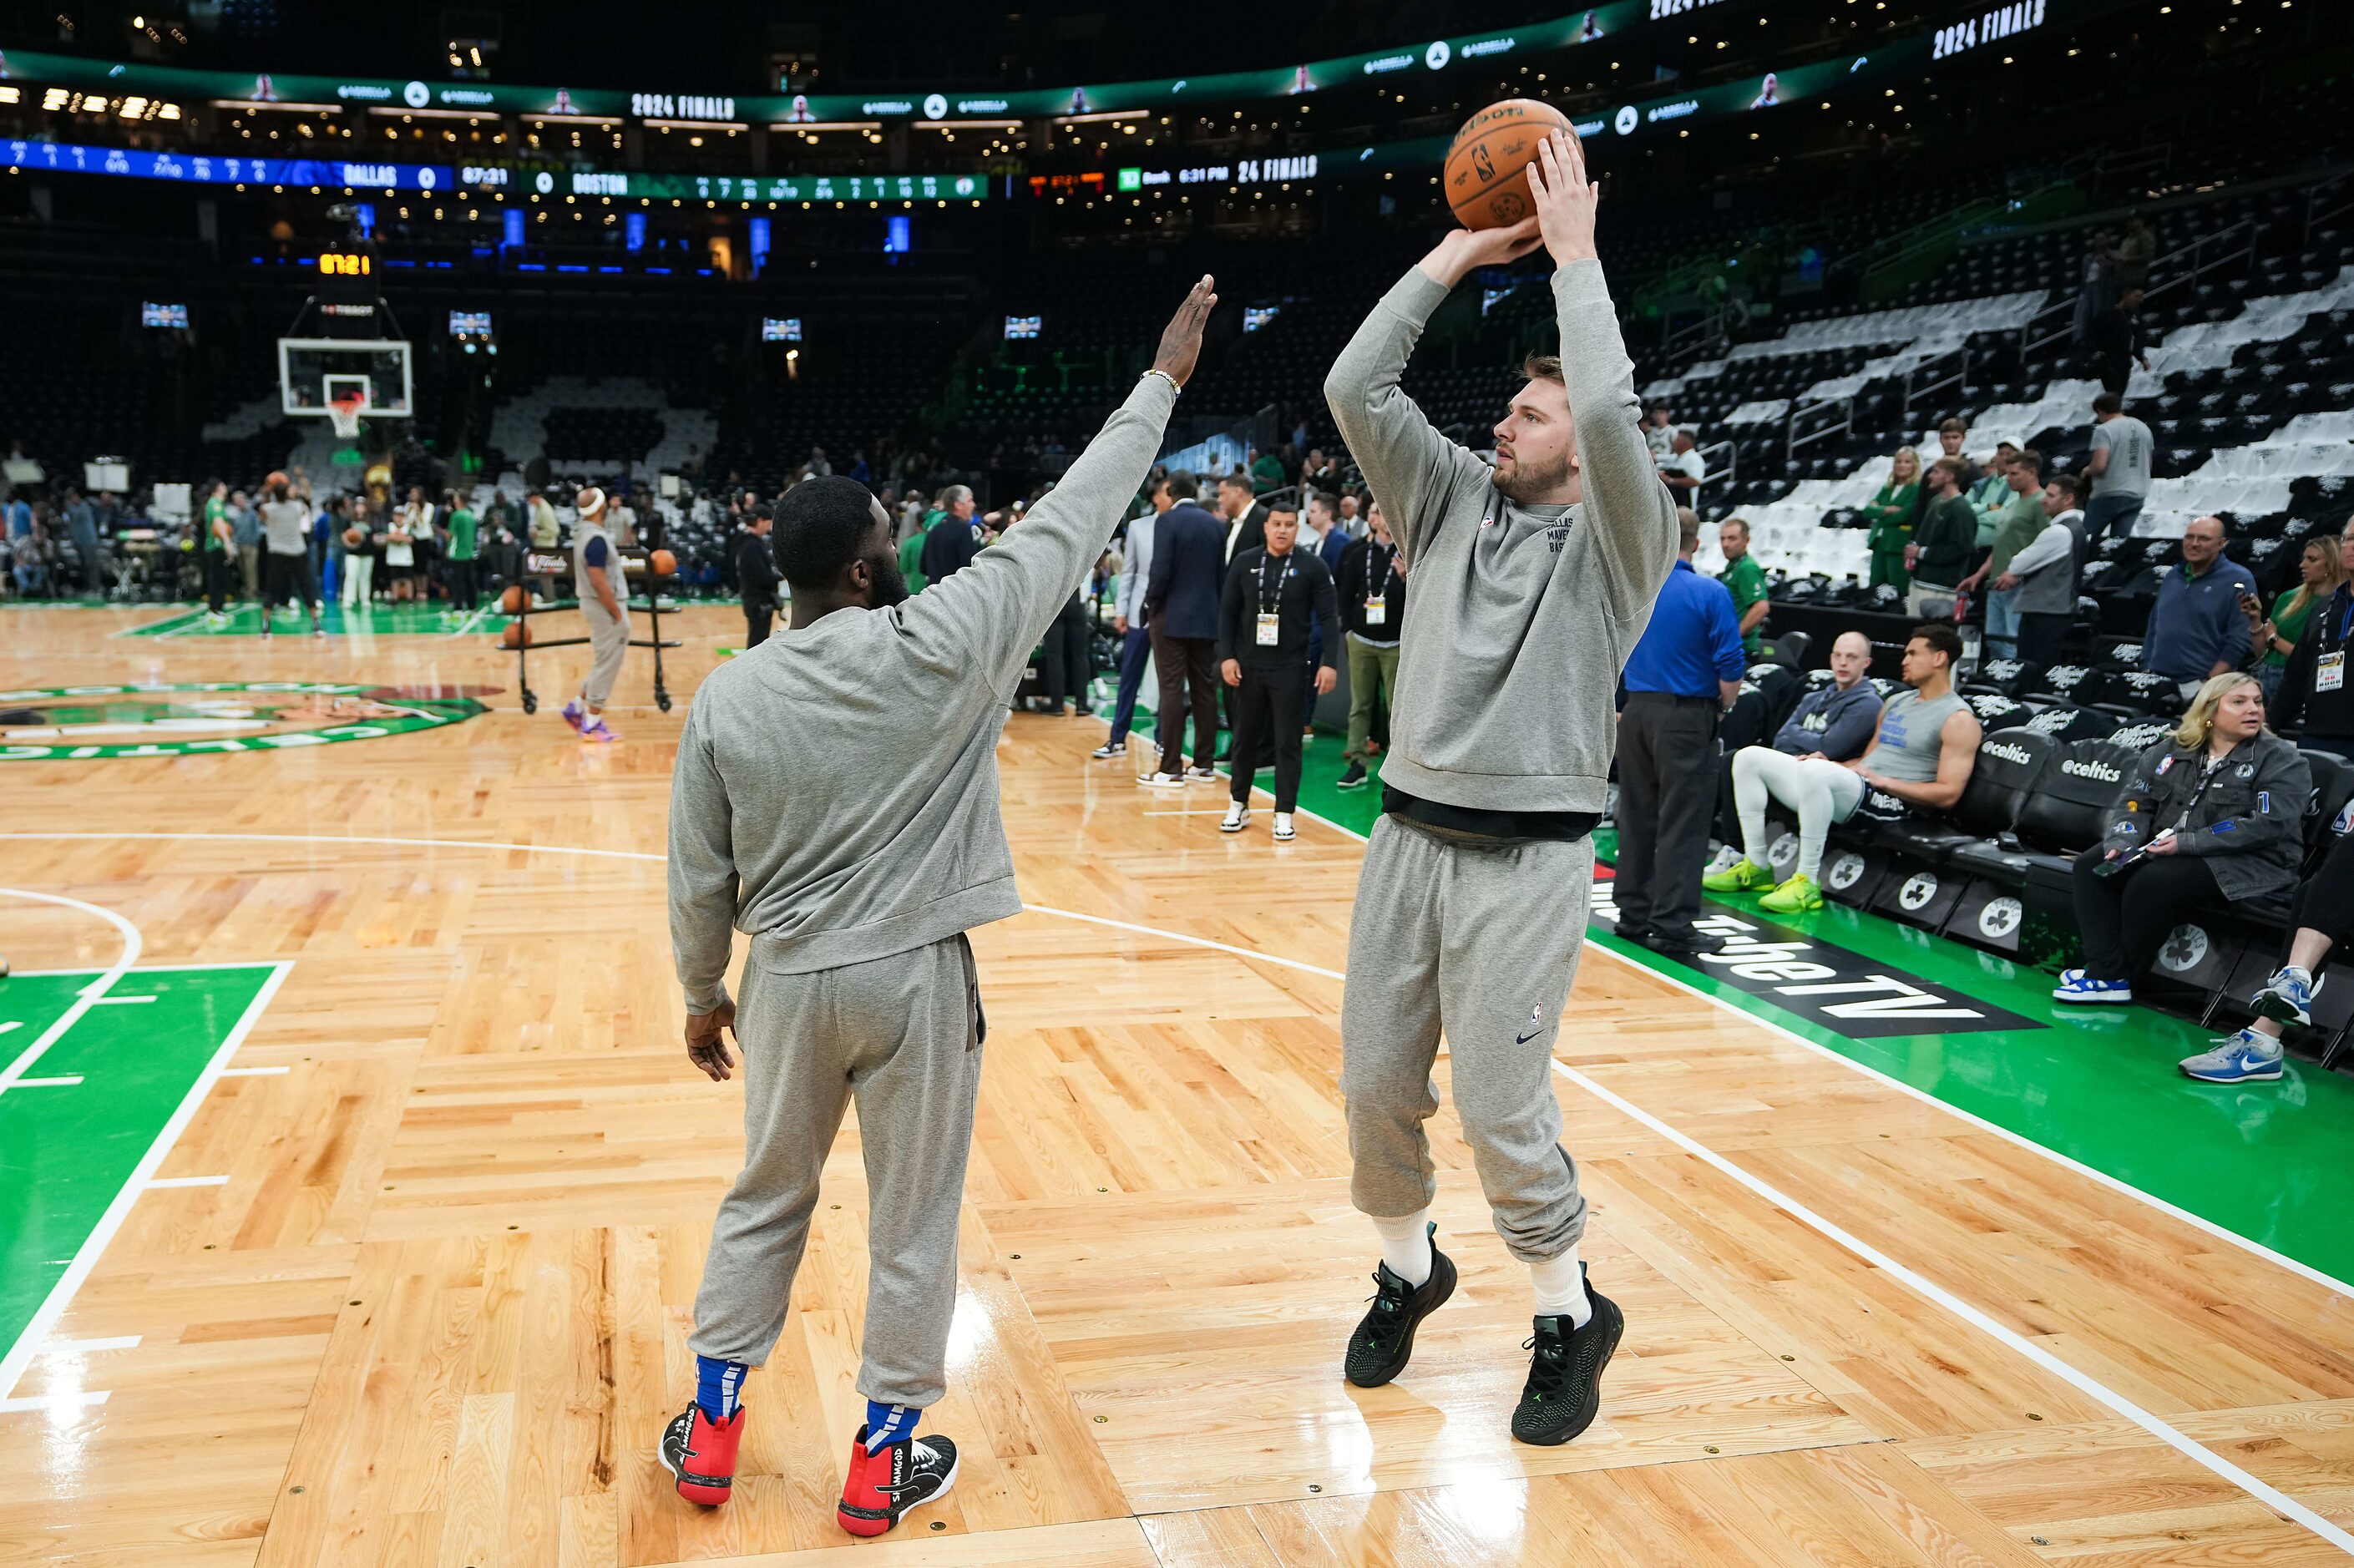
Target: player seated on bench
x,y
2322,917
2214,813
1921,758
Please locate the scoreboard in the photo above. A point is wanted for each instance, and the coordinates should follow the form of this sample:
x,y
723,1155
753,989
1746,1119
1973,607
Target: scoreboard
x,y
348,295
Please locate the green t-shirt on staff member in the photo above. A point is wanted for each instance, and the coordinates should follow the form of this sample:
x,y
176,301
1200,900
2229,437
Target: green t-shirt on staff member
x,y
1746,581
216,511
463,531
911,559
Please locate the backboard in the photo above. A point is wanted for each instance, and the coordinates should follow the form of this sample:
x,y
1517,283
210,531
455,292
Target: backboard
x,y
313,371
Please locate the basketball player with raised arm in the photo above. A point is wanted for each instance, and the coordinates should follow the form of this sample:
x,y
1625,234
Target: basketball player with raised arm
x,y
1533,579
837,800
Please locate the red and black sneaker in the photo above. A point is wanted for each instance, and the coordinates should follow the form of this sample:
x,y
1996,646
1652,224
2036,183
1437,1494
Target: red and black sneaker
x,y
701,1453
881,1487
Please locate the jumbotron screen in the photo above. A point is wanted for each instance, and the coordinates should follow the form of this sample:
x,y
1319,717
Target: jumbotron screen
x,y
780,329
470,323
152,314
1024,326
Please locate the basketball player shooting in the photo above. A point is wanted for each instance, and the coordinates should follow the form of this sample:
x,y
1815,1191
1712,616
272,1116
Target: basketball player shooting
x,y
1532,581
837,800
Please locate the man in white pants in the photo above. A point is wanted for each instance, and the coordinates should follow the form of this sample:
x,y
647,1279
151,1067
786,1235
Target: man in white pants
x,y
603,590
1924,747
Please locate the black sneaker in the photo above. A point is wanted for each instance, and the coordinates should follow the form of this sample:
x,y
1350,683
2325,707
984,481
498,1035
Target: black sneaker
x,y
1383,1342
881,1487
1565,1388
1353,776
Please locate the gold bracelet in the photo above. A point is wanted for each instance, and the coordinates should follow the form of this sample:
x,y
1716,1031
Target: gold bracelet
x,y
1174,389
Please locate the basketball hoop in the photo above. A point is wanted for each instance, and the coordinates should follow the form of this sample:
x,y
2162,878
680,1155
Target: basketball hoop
x,y
344,412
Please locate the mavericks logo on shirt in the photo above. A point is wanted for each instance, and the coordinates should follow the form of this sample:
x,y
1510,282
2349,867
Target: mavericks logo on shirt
x,y
217,715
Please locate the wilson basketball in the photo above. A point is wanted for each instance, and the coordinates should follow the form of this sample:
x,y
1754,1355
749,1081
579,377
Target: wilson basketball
x,y
663,563
511,601
1486,177
354,538
276,477
517,635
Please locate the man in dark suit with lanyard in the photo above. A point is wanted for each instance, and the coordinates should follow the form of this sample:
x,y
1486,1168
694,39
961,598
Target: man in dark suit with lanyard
x,y
1274,597
756,576
1181,607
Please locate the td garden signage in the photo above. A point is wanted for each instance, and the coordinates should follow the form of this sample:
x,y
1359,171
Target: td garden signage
x,y
76,722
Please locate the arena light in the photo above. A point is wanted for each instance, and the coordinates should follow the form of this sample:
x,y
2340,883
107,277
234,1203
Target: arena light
x,y
471,116
730,126
250,105
1106,116
803,125
952,126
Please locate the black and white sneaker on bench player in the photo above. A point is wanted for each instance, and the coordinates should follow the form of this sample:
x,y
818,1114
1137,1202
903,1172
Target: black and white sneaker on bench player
x,y
1237,818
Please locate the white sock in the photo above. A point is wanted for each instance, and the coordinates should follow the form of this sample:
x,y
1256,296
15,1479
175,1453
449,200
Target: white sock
x,y
1405,1247
1561,1289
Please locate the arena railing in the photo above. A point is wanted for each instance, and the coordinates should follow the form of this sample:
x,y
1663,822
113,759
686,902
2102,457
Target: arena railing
x,y
1926,377
1844,426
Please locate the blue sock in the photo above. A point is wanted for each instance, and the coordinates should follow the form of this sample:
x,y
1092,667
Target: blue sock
x,y
889,1424
717,1386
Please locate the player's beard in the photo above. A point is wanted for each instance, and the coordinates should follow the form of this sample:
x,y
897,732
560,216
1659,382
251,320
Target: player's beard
x,y
1526,482
889,585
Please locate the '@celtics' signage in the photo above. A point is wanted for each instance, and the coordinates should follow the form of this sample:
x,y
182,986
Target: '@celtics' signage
x,y
214,716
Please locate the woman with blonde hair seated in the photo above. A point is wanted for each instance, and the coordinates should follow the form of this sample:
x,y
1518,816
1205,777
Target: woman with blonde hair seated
x,y
1891,515
2212,813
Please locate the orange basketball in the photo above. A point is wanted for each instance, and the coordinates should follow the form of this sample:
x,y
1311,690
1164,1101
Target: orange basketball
x,y
1486,178
663,563
511,601
517,635
354,538
276,477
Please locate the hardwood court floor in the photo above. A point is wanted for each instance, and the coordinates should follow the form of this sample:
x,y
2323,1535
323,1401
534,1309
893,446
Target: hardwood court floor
x,y
435,1311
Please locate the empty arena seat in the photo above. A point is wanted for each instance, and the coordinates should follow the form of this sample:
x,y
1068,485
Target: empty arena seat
x,y
1996,710
2067,725
2072,683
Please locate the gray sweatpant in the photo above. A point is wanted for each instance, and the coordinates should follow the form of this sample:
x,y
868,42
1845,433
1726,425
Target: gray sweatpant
x,y
609,641
903,1035
1480,939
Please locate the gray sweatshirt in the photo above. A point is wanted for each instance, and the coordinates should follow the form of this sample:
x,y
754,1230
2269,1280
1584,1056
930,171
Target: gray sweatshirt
x,y
1523,617
836,794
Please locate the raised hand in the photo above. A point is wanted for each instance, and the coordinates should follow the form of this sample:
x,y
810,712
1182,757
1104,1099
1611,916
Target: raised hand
x,y
1461,252
1564,198
1181,343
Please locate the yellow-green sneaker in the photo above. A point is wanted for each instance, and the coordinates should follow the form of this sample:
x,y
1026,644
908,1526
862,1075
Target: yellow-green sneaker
x,y
1743,875
1795,897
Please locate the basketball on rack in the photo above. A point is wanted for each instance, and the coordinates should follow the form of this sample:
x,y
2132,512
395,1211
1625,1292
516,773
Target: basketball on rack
x,y
662,564
1487,172
511,601
517,635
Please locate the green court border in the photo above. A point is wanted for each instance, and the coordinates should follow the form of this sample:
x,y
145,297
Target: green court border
x,y
2096,1087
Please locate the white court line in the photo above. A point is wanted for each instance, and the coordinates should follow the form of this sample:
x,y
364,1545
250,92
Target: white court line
x,y
2198,1453
89,1347
12,1365
1205,811
253,1071
120,1000
84,1000
156,1182
65,1081
2196,1222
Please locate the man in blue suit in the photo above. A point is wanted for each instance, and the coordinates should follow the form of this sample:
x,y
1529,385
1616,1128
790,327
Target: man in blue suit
x,y
1181,605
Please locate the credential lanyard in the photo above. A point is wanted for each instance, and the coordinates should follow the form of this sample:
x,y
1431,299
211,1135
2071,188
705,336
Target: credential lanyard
x,y
1291,564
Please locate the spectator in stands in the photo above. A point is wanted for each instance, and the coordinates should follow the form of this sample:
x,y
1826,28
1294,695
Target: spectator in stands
x,y
1273,600
1182,600
2118,468
1266,475
2314,692
1684,672
2321,569
1991,496
245,532
2020,521
1944,540
1660,430
2135,252
19,514
2041,576
2322,917
1921,760
1370,581
756,576
1682,469
911,548
2212,813
1951,435
2116,342
1245,517
2198,626
1320,473
1129,618
1744,580
2100,287
1890,514
1353,521
954,538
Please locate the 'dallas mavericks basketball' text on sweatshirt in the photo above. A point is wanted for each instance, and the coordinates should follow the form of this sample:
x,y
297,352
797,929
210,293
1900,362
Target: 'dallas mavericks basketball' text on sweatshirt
x,y
1522,617
836,794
